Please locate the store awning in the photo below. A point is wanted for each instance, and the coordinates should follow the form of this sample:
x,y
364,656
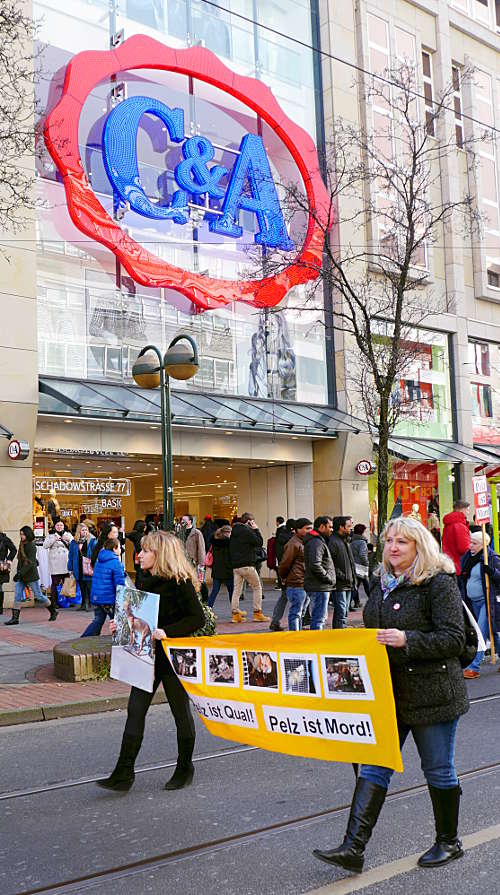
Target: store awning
x,y
431,451
97,400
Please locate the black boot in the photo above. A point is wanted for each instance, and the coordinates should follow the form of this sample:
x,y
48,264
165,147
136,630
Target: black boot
x,y
52,607
365,808
1,602
447,847
184,770
123,775
14,619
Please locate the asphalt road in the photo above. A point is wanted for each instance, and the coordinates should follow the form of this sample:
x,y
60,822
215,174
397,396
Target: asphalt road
x,y
67,832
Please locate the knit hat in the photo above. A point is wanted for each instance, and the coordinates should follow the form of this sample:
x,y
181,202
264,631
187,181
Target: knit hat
x,y
478,537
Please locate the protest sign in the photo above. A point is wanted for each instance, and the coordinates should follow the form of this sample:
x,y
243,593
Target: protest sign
x,y
132,647
317,694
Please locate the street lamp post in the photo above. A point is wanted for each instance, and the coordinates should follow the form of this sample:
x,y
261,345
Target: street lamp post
x,y
152,370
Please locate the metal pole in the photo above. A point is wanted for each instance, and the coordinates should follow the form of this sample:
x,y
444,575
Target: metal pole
x,y
168,426
163,420
488,596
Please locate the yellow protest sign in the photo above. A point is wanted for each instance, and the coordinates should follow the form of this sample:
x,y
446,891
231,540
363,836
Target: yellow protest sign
x,y
317,694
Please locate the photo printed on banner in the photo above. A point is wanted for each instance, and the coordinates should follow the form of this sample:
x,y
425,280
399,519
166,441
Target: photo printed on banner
x,y
222,668
346,677
260,670
300,674
186,663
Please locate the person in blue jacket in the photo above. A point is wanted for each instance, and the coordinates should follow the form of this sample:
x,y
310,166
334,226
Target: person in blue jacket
x,y
108,574
474,571
79,561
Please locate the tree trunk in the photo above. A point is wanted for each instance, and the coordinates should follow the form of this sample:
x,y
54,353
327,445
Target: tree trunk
x,y
383,471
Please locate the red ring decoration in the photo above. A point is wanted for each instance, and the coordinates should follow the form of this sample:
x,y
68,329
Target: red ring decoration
x,y
83,73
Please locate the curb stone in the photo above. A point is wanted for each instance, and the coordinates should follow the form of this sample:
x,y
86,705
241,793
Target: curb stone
x,y
69,709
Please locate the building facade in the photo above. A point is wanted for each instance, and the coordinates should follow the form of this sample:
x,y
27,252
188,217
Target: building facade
x,y
266,424
449,428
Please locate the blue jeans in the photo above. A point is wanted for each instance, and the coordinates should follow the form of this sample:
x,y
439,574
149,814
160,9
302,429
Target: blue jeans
x,y
279,609
95,627
340,600
216,586
436,748
35,589
296,597
481,616
319,609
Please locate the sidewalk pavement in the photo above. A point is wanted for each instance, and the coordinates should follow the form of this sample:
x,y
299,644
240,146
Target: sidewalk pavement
x,y
29,690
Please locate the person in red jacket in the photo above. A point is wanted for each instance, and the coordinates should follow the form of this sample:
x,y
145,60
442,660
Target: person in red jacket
x,y
456,534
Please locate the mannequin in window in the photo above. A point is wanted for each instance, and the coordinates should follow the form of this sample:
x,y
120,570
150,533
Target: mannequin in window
x,y
415,512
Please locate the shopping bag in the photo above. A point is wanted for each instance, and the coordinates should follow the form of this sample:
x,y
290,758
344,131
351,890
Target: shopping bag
x,y
68,588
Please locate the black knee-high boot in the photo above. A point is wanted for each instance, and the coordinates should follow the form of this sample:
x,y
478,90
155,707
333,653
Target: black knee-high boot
x,y
184,770
14,619
52,607
365,808
447,847
1,601
123,775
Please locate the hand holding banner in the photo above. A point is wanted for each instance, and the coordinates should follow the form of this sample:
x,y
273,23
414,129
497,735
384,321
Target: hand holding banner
x,y
317,694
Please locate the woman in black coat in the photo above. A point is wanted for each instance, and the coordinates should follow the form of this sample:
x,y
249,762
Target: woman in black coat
x,y
7,554
27,576
416,605
168,573
222,570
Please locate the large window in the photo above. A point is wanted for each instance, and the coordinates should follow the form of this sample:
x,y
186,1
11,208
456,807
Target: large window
x,y
487,12
423,393
488,175
484,371
92,324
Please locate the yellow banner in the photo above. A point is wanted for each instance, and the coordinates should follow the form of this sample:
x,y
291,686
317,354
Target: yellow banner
x,y
318,694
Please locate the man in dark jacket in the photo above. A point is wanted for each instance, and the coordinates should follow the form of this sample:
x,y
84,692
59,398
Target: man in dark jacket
x,y
343,561
291,569
244,545
319,576
283,535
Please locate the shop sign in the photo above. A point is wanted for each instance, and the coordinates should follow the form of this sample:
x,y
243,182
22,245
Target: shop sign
x,y
365,467
106,503
217,193
18,450
481,499
42,485
80,452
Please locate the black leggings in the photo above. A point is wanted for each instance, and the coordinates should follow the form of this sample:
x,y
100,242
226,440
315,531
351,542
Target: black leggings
x,y
139,702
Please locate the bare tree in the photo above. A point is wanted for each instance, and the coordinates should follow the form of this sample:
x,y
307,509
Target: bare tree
x,y
384,175
17,66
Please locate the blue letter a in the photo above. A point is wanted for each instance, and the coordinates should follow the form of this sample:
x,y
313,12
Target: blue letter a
x,y
253,165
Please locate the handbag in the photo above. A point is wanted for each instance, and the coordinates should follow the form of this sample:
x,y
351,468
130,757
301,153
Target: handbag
x,y
209,628
68,588
361,571
209,559
471,640
87,567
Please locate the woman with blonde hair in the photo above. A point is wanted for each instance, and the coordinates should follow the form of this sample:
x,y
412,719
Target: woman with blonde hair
x,y
416,606
168,573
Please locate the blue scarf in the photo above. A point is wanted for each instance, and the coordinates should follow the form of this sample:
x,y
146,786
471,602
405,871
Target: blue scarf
x,y
389,582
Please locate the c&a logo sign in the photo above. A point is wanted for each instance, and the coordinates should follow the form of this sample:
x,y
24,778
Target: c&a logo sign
x,y
248,187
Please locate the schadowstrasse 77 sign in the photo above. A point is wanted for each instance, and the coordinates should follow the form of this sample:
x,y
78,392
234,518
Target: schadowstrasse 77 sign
x,y
224,193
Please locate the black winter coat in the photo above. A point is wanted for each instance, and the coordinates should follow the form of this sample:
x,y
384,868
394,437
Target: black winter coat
x,y
7,551
244,545
221,566
343,562
281,538
427,677
180,613
494,566
319,569
27,566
